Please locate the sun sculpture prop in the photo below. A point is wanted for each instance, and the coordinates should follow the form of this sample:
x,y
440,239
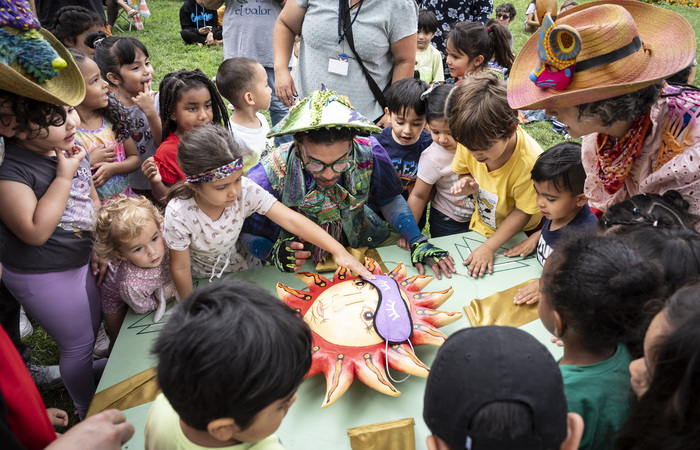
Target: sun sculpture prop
x,y
359,325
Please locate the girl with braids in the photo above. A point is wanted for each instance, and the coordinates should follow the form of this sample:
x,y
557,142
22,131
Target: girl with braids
x,y
125,64
471,45
205,214
72,24
188,99
104,134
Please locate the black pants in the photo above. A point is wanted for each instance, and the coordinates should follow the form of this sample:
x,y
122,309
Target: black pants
x,y
192,36
9,320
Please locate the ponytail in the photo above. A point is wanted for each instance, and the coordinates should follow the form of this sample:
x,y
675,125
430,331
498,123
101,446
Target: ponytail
x,y
475,39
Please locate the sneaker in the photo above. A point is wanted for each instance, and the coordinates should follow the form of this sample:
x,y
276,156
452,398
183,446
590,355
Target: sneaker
x,y
25,326
101,344
46,377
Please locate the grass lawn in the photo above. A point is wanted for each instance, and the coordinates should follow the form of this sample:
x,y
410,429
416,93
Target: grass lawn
x,y
168,53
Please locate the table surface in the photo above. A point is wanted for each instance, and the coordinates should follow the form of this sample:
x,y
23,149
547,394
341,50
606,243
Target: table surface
x,y
307,426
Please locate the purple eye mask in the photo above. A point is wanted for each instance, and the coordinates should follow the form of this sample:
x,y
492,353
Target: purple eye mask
x,y
392,319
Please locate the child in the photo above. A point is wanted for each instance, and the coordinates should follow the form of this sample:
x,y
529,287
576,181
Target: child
x,y
532,22
113,154
594,292
129,236
405,139
428,58
666,379
558,178
449,213
494,158
668,211
124,63
47,210
243,82
199,24
205,214
499,388
471,45
188,99
72,24
239,393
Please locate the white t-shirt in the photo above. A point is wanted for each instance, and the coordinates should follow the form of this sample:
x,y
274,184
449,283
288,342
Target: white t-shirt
x,y
253,138
434,168
213,244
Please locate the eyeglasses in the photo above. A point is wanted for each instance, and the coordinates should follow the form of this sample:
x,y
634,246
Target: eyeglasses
x,y
503,16
338,166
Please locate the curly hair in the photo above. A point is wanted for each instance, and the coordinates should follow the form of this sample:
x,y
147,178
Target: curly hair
x,y
623,107
121,220
175,84
114,112
32,117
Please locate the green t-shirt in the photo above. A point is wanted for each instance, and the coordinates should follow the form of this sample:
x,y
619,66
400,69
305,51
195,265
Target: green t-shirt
x,y
602,395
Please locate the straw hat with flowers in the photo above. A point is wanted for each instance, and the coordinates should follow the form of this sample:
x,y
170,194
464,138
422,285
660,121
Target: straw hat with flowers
x,y
33,63
625,45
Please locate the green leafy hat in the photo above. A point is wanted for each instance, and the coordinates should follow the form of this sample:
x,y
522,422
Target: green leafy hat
x,y
323,109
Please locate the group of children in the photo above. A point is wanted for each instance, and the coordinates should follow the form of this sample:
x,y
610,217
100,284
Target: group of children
x,y
127,150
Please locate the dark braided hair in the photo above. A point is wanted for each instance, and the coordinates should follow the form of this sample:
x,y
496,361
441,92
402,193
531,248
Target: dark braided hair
x,y
669,211
114,112
71,21
171,89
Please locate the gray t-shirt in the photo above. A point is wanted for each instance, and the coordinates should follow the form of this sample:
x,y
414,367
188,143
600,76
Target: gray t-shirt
x,y
248,26
379,24
142,136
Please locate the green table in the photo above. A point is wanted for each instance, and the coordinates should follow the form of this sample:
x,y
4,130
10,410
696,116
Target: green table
x,y
307,426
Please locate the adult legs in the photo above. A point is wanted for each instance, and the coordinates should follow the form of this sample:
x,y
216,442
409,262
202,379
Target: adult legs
x,y
67,305
277,108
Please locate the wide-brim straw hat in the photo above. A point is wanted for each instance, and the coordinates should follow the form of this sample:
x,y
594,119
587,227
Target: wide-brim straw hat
x,y
66,88
668,46
323,109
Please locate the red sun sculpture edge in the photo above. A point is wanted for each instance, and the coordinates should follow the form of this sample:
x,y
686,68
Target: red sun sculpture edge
x,y
340,313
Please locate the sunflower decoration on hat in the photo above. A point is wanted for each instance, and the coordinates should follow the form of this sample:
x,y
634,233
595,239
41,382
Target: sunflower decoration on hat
x,y
597,51
363,327
323,109
34,63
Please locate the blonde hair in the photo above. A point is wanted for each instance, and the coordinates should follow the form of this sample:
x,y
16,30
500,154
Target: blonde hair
x,y
121,220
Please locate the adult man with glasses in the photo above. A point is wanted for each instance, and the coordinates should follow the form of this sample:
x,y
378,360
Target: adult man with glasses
x,y
335,178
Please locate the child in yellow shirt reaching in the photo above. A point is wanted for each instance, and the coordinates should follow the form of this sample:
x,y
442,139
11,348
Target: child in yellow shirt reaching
x,y
494,159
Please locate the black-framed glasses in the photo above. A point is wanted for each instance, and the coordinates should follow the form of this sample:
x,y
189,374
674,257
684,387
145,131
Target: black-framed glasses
x,y
338,166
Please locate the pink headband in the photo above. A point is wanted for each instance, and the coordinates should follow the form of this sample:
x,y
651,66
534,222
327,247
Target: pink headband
x,y
216,174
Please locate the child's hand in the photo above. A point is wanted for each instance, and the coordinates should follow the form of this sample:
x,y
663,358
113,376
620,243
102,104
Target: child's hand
x,y
345,259
69,161
204,31
150,170
522,249
104,172
210,39
98,267
528,294
556,340
145,99
403,243
102,154
57,417
465,186
639,379
479,261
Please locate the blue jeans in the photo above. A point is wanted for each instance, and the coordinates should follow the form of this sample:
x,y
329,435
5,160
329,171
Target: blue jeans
x,y
277,108
443,225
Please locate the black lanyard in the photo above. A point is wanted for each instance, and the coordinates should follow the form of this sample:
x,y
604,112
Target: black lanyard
x,y
341,32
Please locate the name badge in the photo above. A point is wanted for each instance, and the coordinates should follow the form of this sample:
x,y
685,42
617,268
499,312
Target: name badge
x,y
338,66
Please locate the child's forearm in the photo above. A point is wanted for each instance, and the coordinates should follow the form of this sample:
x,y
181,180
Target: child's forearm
x,y
418,199
511,225
160,191
156,126
181,271
300,226
130,164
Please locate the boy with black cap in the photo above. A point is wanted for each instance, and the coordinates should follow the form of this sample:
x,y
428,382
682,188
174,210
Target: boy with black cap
x,y
497,388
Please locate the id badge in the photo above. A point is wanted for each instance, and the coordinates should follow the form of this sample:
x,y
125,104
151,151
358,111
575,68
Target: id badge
x,y
339,65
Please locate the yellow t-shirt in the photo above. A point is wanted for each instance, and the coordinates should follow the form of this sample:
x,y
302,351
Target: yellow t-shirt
x,y
503,189
163,432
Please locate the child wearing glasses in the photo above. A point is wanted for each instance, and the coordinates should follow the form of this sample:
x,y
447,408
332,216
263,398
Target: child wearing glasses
x,y
205,214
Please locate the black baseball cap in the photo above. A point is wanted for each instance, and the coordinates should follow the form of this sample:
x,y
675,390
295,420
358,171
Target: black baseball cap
x,y
481,365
